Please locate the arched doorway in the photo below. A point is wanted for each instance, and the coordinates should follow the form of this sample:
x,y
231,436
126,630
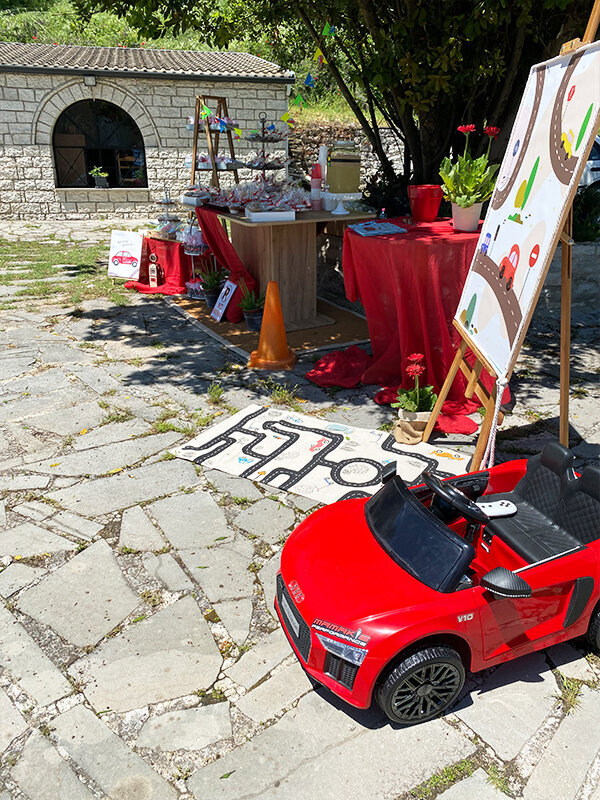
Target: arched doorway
x,y
96,133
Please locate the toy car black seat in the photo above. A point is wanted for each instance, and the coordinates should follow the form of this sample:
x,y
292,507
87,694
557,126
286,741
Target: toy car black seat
x,y
581,507
536,531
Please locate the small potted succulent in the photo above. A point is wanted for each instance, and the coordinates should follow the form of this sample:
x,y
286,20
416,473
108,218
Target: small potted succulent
x,y
414,405
99,176
212,283
253,306
469,182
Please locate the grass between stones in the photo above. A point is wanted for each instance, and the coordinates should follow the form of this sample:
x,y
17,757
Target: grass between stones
x,y
37,261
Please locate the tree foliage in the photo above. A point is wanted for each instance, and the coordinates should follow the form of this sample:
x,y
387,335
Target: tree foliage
x,y
424,66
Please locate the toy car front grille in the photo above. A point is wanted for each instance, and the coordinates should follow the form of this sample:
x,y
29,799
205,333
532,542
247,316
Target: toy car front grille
x,y
299,633
341,671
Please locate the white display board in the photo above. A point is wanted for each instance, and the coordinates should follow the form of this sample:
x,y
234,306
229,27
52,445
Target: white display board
x,y
553,133
125,255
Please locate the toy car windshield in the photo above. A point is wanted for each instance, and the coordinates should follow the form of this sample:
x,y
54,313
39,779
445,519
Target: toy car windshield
x,y
416,540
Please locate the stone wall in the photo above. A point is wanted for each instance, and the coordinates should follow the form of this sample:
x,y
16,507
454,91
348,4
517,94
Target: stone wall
x,y
30,105
305,140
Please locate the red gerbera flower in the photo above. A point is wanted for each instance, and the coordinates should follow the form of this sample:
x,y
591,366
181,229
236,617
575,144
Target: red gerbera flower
x,y
492,131
416,357
414,370
466,128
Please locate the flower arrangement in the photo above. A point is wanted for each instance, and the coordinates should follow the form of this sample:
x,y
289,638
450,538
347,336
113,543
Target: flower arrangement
x,y
470,180
419,398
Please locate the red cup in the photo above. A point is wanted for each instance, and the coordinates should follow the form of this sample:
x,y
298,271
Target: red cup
x,y
425,202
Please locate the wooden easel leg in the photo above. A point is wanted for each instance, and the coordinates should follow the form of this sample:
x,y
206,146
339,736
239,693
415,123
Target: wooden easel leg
x,y
444,391
484,433
565,329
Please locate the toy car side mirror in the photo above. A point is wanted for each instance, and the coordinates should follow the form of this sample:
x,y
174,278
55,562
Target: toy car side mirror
x,y
388,472
504,583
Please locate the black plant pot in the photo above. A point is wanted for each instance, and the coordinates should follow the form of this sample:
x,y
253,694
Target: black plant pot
x,y
254,319
211,297
101,183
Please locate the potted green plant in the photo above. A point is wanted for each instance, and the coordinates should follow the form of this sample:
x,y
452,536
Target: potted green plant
x,y
253,306
212,283
414,405
99,176
469,182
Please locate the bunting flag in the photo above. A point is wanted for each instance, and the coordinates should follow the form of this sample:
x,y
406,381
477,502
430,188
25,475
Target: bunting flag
x,y
238,133
298,101
206,112
328,30
319,57
309,81
271,127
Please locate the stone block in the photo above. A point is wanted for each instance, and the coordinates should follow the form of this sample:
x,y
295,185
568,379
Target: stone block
x,y
236,615
27,665
84,599
164,568
267,519
16,576
280,691
28,540
13,724
42,774
137,532
476,786
221,571
190,520
97,751
188,729
169,655
254,665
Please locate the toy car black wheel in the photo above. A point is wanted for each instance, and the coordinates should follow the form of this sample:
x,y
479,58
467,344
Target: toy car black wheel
x,y
501,272
509,284
422,686
593,631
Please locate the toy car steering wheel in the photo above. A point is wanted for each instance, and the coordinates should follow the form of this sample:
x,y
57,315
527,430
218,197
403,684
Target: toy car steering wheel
x,y
457,499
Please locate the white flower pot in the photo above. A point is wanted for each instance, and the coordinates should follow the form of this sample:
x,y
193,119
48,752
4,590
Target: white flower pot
x,y
466,219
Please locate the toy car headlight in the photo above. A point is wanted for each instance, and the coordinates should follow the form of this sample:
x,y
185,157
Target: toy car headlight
x,y
355,655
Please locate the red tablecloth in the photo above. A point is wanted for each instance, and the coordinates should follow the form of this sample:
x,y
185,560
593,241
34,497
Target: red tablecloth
x,y
171,259
410,285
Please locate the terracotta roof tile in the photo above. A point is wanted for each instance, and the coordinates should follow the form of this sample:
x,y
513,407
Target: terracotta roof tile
x,y
136,61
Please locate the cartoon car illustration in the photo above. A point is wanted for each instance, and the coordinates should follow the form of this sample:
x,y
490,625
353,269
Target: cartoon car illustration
x,y
486,243
567,142
508,266
397,596
123,257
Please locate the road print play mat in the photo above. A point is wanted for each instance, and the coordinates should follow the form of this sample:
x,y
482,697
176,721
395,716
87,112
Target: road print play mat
x,y
322,460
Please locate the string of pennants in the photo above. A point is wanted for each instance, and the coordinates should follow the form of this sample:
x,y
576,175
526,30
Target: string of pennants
x,y
298,101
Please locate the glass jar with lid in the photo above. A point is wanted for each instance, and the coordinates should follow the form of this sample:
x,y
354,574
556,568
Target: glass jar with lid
x,y
343,172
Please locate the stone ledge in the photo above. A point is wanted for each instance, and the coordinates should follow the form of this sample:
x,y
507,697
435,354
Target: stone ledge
x,y
93,195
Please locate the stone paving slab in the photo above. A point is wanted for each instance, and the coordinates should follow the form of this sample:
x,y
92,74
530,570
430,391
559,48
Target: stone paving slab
x,y
334,757
120,773
27,664
565,762
19,483
49,381
38,410
232,485
475,787
188,729
137,532
571,663
284,688
106,458
82,415
222,572
84,599
268,579
190,520
236,615
16,576
267,519
168,655
128,488
258,662
28,540
107,434
35,510
164,568
511,704
96,378
12,723
74,525
42,774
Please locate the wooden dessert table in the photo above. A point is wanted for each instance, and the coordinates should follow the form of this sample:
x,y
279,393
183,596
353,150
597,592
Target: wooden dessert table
x,y
286,252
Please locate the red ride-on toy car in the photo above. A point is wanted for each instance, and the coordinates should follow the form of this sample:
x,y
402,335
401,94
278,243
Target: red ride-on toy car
x,y
399,594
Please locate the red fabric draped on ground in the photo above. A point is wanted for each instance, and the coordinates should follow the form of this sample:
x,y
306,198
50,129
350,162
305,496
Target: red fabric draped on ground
x,y
218,241
171,259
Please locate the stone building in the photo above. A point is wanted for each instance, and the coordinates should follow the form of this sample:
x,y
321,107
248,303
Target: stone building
x,y
65,109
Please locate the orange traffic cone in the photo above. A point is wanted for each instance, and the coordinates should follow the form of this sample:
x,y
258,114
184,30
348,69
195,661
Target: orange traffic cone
x,y
273,351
